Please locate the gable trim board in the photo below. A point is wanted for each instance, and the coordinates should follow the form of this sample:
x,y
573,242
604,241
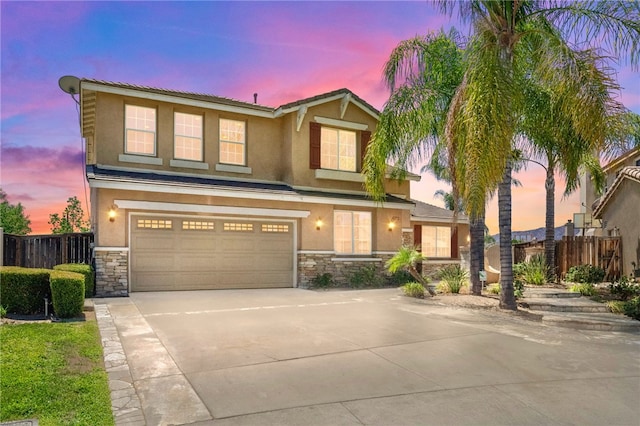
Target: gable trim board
x,y
200,208
631,173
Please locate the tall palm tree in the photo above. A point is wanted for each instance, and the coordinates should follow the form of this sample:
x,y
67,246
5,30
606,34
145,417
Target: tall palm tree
x,y
545,41
423,74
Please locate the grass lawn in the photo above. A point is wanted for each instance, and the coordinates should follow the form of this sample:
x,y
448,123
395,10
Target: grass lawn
x,y
53,372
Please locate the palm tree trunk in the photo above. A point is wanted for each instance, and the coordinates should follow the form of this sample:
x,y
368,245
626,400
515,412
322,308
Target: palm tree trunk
x,y
549,236
507,296
415,274
476,255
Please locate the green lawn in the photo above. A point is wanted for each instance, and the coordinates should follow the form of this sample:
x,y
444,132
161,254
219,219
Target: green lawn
x,y
53,372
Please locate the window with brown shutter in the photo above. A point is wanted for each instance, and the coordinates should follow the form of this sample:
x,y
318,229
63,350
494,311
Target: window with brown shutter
x,y
454,243
417,236
365,137
314,145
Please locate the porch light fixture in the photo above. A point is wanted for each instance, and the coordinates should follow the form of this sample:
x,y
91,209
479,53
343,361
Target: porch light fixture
x,y
392,223
112,213
318,224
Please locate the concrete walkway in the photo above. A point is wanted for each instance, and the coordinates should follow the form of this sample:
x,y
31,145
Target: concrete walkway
x,y
296,357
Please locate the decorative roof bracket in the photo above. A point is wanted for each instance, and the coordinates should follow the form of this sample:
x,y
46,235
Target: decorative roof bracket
x,y
344,104
302,111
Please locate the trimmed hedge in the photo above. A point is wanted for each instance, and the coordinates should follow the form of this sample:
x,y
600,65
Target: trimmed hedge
x,y
81,268
22,290
67,290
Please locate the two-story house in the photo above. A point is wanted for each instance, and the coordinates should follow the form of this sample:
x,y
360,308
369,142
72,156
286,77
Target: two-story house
x,y
193,191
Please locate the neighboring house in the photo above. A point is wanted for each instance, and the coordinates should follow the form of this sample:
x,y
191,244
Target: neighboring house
x,y
436,235
588,195
619,211
192,191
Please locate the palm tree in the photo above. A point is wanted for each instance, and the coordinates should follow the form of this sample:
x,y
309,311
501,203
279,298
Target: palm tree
x,y
412,123
406,259
449,201
518,40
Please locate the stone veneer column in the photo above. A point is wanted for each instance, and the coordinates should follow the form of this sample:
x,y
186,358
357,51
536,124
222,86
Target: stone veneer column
x,y
112,268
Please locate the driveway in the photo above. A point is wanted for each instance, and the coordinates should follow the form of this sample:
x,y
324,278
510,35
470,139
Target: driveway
x,y
299,357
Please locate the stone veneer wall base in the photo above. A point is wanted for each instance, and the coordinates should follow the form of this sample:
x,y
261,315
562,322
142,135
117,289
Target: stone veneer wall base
x,y
310,265
112,268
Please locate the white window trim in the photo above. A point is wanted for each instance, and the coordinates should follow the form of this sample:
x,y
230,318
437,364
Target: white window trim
x,y
155,131
340,123
201,138
353,253
244,143
343,175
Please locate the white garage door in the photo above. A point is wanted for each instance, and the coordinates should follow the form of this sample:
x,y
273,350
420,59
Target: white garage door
x,y
177,253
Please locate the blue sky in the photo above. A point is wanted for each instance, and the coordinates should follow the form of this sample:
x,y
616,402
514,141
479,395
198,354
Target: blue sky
x,y
284,51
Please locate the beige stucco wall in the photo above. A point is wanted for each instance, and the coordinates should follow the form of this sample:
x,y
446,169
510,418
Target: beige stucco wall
x,y
114,234
622,212
263,144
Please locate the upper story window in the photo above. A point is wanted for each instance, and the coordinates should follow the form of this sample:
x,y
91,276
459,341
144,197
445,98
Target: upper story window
x,y
232,142
187,137
140,130
337,149
352,232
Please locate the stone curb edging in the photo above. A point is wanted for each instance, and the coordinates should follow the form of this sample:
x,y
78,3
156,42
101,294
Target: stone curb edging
x,y
125,403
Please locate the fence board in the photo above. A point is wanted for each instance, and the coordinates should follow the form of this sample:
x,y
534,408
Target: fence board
x,y
46,251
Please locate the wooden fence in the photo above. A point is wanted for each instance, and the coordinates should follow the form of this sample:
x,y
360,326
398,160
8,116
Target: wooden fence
x,y
46,251
605,252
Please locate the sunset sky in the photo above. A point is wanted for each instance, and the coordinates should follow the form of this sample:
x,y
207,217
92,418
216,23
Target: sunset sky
x,y
284,51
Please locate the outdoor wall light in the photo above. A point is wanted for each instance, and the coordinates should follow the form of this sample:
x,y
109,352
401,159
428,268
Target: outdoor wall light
x,y
112,213
318,224
392,223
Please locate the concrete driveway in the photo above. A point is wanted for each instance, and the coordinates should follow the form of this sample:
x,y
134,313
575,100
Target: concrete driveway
x,y
299,357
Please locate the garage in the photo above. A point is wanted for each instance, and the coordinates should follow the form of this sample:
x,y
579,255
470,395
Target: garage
x,y
198,253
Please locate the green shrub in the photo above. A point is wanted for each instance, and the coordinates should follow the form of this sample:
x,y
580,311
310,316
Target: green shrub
x,y
453,278
616,306
532,272
624,288
365,277
3,311
494,288
81,268
67,291
632,308
413,289
399,278
585,274
322,281
23,290
585,289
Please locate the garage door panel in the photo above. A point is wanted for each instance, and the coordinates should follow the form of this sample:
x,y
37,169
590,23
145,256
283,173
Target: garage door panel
x,y
204,254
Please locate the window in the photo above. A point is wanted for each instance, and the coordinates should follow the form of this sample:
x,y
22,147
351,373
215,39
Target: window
x,y
352,232
140,130
232,142
187,129
267,227
436,241
198,225
154,224
238,227
337,149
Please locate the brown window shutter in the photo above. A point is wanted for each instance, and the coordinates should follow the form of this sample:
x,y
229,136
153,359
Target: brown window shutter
x,y
417,236
365,137
314,145
454,243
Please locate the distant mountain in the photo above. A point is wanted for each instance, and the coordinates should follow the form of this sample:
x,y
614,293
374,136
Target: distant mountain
x,y
530,235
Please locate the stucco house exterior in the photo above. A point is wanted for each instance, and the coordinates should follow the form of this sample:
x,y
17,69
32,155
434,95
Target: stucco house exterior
x,y
619,211
194,191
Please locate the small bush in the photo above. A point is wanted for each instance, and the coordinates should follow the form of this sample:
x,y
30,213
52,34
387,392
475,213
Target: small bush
x,y
81,268
413,289
365,277
494,288
624,288
632,308
616,306
585,289
454,278
3,311
532,272
585,274
399,278
67,291
322,281
23,290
